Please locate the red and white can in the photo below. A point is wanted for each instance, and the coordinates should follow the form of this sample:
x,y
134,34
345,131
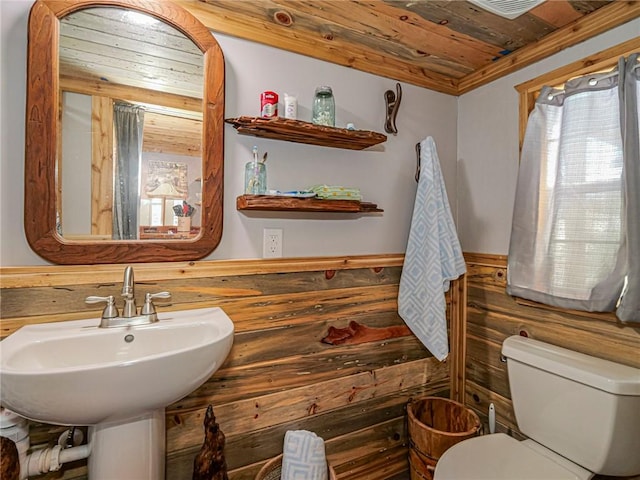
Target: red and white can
x,y
269,104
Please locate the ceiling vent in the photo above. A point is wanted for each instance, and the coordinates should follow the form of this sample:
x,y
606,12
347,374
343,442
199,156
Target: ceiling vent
x,y
507,8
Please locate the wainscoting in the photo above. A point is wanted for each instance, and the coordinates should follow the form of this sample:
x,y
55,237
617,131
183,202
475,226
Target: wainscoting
x,y
492,316
279,376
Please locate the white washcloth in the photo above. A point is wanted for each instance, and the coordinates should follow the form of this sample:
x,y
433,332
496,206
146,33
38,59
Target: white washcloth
x,y
303,456
433,257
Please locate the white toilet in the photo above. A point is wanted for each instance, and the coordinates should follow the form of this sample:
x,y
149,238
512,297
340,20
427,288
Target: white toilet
x,y
581,414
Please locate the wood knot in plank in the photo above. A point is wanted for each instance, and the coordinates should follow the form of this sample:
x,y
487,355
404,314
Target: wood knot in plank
x,y
329,274
355,333
284,18
499,275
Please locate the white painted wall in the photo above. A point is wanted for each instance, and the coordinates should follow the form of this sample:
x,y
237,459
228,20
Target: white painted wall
x,y
76,145
480,130
488,146
385,175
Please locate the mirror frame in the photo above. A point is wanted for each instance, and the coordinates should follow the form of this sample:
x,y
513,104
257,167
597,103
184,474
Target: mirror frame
x,y
43,125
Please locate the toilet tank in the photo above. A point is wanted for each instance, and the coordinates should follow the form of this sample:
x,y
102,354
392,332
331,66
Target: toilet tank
x,y
584,408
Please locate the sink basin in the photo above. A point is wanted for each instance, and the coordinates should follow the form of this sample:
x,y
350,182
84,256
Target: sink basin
x,y
74,373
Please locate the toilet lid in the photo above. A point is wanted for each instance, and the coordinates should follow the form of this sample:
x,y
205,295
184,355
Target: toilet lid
x,y
497,456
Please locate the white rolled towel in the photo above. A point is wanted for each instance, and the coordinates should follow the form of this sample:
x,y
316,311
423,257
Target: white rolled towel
x,y
303,456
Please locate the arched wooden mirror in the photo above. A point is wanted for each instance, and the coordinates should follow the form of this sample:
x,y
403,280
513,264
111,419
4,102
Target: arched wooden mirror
x,y
124,133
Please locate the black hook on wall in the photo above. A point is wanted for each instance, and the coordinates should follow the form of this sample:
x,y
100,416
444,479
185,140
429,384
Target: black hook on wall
x,y
418,154
392,101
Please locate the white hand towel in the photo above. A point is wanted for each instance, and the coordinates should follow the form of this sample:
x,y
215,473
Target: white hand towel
x,y
433,257
303,456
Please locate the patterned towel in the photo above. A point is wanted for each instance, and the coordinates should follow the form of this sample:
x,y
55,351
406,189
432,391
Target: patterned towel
x,y
336,192
303,456
433,257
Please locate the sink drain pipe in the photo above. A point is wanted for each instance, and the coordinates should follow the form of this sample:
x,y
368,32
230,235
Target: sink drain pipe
x,y
51,459
44,460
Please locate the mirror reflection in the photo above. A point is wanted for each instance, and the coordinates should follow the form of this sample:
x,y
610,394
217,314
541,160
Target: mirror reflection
x,y
130,148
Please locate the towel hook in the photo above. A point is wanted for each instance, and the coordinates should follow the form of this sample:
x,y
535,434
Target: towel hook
x,y
393,104
417,176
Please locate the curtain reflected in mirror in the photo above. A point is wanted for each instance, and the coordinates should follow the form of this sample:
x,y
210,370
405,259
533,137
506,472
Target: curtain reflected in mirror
x,y
128,122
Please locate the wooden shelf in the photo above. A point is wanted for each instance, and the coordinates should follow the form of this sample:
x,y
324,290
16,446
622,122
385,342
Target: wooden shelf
x,y
293,204
305,132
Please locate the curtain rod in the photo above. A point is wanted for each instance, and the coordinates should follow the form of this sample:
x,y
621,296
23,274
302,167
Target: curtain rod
x,y
593,81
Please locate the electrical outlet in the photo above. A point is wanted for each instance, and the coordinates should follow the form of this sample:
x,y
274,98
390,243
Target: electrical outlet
x,y
272,243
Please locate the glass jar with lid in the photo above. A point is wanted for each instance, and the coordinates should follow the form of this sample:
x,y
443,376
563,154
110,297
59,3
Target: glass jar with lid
x,y
324,107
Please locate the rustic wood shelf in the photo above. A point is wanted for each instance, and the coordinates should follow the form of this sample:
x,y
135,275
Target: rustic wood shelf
x,y
305,132
293,204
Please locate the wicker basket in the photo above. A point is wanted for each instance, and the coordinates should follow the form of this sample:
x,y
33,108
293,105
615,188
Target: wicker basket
x,y
272,470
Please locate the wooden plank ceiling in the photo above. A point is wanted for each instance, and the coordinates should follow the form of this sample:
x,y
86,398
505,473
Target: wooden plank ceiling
x,y
448,46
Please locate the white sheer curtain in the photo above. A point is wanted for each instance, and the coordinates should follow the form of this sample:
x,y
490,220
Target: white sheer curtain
x,y
569,244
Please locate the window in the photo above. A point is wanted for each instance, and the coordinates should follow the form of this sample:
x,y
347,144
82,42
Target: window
x,y
576,220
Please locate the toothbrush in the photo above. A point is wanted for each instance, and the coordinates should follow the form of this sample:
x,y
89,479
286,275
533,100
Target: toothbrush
x,y
256,170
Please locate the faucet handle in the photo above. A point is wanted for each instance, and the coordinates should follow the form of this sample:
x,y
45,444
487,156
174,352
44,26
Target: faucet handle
x,y
148,308
110,309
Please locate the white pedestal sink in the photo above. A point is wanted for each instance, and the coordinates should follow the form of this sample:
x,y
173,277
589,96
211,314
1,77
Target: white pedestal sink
x,y
115,380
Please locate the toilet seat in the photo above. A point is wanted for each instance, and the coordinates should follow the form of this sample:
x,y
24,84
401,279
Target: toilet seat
x,y
499,456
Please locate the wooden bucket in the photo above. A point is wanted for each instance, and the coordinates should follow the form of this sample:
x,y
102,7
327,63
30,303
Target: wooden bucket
x,y
436,424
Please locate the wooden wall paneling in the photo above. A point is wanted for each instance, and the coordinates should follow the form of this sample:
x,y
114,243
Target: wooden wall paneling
x,y
279,375
66,301
458,335
492,316
598,337
255,445
62,275
485,367
69,298
101,166
368,381
261,411
385,463
479,398
248,311
348,453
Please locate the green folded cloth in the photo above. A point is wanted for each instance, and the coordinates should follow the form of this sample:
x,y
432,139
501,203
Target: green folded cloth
x,y
334,192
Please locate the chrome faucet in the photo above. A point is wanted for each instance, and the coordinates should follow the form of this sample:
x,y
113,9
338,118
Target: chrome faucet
x,y
128,293
130,316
